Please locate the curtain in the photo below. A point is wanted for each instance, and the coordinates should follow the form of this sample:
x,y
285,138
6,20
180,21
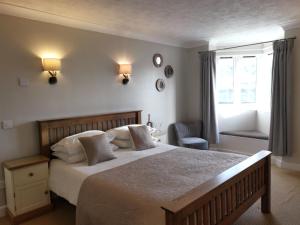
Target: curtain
x,y
280,127
208,80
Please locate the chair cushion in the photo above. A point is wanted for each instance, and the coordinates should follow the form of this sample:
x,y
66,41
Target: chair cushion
x,y
194,142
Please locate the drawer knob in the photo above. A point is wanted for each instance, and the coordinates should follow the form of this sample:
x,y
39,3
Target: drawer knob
x,y
46,192
31,174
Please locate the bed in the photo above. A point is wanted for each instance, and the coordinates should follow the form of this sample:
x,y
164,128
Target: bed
x,y
73,175
219,199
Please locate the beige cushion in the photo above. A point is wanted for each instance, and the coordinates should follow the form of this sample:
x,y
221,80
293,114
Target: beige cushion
x,y
141,137
97,148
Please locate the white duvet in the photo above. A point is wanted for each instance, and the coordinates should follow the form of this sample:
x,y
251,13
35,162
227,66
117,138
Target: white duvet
x,y
66,179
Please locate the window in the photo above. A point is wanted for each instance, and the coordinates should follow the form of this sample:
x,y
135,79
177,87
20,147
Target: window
x,y
225,80
236,79
246,71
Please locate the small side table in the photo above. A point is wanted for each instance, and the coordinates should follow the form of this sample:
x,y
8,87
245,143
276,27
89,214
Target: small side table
x,y
27,192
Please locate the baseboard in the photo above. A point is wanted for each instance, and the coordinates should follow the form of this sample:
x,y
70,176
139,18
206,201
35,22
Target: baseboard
x,y
277,161
2,211
26,216
290,166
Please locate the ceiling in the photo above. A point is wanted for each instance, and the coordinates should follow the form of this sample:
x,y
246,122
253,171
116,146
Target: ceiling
x,y
185,23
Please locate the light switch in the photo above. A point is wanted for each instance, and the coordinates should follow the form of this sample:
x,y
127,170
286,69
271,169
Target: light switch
x,y
7,124
23,82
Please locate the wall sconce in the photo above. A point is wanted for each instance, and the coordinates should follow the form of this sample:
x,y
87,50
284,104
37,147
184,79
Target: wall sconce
x,y
125,70
52,65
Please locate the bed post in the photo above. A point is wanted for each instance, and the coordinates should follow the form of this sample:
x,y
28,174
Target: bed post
x,y
44,139
139,117
169,218
266,198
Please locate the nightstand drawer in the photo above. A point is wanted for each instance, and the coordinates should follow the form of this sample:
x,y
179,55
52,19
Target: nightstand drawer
x,y
32,196
30,174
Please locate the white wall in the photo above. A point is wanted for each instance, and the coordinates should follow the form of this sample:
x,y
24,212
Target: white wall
x,y
263,121
88,83
236,119
192,87
264,91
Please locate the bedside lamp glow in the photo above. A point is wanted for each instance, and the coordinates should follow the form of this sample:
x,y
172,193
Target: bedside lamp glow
x,y
126,71
52,65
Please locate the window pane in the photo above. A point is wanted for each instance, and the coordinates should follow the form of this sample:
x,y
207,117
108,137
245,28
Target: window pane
x,y
246,71
225,80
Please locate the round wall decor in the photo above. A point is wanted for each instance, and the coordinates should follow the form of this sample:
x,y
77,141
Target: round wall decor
x,y
160,85
157,60
169,71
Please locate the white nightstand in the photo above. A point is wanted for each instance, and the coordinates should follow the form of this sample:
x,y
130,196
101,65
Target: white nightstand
x,y
26,182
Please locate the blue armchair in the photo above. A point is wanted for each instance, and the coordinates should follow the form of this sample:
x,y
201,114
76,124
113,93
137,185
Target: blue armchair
x,y
189,135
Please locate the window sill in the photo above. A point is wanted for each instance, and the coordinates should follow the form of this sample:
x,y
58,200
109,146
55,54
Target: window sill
x,y
248,134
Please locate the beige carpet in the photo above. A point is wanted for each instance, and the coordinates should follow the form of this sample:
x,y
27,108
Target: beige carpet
x,y
285,206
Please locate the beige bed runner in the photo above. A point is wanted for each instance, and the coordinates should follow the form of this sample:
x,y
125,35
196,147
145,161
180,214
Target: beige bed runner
x,y
132,194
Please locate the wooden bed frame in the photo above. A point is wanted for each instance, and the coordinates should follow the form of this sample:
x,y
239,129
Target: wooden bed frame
x,y
219,201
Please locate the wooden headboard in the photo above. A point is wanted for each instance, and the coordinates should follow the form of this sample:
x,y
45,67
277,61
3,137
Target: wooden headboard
x,y
51,131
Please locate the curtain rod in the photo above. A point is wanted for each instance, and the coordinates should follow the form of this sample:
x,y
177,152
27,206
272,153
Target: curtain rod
x,y
265,42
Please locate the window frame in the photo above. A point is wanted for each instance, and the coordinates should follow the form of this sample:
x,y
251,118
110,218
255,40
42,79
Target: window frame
x,y
236,80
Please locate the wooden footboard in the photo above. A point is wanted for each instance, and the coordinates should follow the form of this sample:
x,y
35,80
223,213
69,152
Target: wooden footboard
x,y
226,197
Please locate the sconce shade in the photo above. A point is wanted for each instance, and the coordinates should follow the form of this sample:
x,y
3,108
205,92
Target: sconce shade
x,y
125,69
51,64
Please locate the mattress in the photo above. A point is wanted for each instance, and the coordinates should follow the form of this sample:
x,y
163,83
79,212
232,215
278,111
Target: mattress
x,y
66,179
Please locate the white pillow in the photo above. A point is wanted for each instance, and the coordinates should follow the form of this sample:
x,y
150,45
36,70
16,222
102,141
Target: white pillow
x,y
155,139
114,146
122,143
122,133
71,145
70,158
